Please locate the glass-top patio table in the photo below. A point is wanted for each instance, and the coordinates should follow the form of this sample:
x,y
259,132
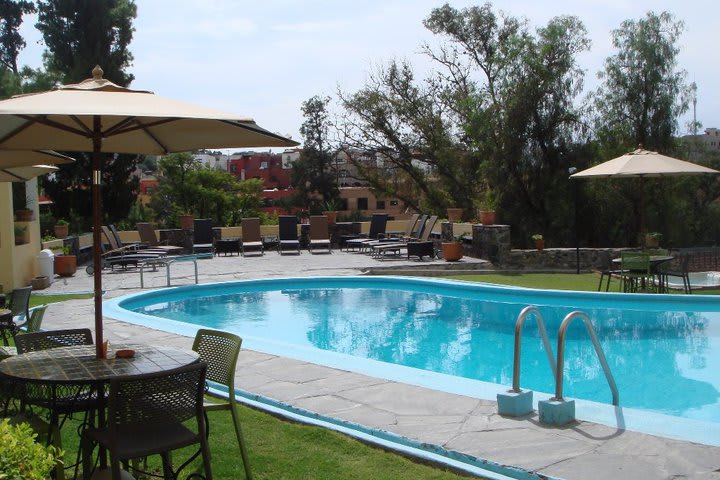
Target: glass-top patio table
x,y
79,364
63,369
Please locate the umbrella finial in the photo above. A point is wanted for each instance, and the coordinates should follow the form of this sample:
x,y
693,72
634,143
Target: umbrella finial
x,y
97,73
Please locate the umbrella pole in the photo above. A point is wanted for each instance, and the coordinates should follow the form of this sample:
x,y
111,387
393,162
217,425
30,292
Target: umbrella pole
x,y
97,257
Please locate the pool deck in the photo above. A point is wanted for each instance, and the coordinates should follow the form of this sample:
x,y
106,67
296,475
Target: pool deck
x,y
582,450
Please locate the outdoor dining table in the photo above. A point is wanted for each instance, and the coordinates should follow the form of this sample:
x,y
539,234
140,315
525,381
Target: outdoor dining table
x,y
655,261
75,365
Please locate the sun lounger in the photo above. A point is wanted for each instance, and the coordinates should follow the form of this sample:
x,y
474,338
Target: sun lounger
x,y
288,235
319,233
378,224
149,237
203,236
381,250
168,262
251,239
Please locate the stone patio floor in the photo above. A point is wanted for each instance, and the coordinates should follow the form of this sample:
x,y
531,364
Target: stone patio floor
x,y
472,426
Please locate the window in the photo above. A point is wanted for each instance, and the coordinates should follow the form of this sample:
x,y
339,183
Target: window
x,y
263,165
362,203
380,204
149,191
233,168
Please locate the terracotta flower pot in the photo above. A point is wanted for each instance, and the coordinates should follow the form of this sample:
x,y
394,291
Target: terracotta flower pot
x,y
487,217
186,222
540,244
452,251
23,215
65,265
331,215
61,231
454,214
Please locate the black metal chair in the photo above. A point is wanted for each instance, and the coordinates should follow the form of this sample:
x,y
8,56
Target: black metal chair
x,y
637,274
678,267
60,400
220,351
19,313
148,415
608,271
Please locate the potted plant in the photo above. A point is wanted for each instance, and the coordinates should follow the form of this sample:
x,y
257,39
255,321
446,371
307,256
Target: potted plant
x,y
652,239
65,264
331,207
453,250
20,234
539,241
454,214
486,206
62,228
186,221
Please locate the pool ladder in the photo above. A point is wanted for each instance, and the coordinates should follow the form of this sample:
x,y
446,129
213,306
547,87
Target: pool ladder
x,y
555,411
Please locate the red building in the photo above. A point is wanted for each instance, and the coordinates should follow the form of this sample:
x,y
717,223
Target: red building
x,y
265,166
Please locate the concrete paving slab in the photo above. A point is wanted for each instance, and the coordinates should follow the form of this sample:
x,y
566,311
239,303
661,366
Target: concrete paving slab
x,y
459,423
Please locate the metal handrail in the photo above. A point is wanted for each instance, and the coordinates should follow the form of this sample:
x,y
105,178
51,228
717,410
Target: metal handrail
x,y
518,336
598,350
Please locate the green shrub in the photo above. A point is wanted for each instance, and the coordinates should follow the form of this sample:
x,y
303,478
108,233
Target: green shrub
x,y
21,456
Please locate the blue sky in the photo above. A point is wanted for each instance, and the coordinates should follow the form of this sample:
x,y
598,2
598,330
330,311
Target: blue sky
x,y
263,59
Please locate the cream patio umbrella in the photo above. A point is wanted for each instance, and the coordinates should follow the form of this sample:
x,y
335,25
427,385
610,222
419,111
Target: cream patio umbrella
x,y
28,158
100,117
643,163
23,174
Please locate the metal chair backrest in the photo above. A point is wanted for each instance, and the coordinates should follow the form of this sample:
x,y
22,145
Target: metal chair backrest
x,y
287,227
142,403
635,262
220,351
250,230
319,227
36,318
427,228
202,231
20,302
111,239
411,224
36,341
378,225
417,229
147,233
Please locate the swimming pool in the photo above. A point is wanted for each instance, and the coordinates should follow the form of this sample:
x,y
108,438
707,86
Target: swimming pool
x,y
664,350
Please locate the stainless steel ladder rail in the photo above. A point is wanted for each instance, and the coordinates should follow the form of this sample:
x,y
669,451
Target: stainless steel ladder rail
x,y
518,337
598,350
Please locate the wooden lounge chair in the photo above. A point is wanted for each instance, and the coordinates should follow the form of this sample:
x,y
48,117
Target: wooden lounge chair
x,y
319,233
288,235
251,238
149,237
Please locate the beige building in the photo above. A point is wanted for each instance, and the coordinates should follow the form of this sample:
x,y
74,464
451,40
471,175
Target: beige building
x,y
18,253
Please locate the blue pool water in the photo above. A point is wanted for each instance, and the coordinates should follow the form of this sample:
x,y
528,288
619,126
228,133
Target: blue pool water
x,y
664,350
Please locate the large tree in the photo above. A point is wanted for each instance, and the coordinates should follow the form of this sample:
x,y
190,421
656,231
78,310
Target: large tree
x,y
642,95
11,42
643,91
499,115
312,174
80,34
188,187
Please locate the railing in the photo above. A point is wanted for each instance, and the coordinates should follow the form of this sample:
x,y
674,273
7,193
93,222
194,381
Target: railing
x,y
518,337
598,350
